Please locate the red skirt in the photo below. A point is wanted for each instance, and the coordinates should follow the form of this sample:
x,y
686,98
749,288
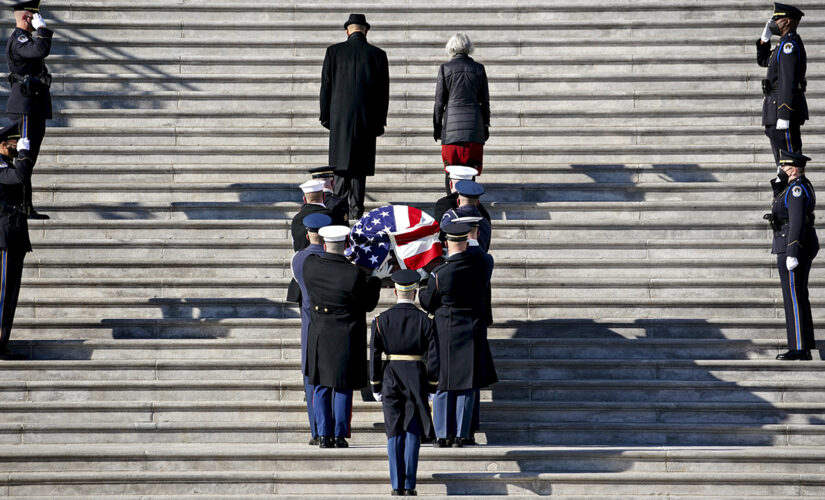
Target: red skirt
x,y
470,154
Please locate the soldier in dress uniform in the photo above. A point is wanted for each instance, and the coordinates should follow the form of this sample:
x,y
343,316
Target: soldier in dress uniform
x,y
469,193
795,244
338,206
15,169
340,294
313,223
465,361
785,108
313,204
457,173
405,382
29,103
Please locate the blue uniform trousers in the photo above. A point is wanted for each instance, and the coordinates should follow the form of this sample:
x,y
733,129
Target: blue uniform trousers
x,y
453,413
474,425
402,451
798,319
309,392
333,411
11,272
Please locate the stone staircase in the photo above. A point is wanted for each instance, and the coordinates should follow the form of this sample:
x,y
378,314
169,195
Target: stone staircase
x,y
637,307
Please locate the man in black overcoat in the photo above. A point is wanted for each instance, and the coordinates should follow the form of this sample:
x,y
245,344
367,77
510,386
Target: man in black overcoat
x,y
404,334
456,295
355,92
340,294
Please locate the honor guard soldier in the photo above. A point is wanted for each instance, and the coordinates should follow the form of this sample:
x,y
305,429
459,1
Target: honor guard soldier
x,y
313,223
404,382
795,244
465,362
784,108
457,173
340,294
338,206
313,204
15,169
30,103
469,193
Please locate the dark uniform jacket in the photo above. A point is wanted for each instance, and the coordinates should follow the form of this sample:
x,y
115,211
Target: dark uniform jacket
x,y
355,96
455,294
339,208
14,228
404,329
786,65
462,101
450,202
485,230
340,295
300,241
793,207
25,53
298,261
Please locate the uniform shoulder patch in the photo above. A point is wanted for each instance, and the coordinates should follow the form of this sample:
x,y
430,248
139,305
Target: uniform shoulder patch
x,y
796,191
23,39
787,48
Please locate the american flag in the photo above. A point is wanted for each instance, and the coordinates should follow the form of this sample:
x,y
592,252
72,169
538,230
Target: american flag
x,y
415,234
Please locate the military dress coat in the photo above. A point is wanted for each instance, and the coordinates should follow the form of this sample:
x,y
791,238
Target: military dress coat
x,y
793,206
787,65
404,329
340,295
300,241
355,93
25,54
456,295
14,229
485,229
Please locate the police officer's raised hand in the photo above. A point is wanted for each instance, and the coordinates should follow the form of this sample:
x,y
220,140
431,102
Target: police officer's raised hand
x,y
766,33
23,144
791,263
782,124
378,396
38,22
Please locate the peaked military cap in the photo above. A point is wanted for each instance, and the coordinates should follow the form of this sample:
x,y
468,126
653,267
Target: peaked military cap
x,y
32,6
456,232
405,280
470,221
322,172
312,186
461,173
333,234
795,159
10,132
469,189
783,10
357,19
314,222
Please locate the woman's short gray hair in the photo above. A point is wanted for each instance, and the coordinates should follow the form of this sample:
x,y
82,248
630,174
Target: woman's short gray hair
x,y
459,43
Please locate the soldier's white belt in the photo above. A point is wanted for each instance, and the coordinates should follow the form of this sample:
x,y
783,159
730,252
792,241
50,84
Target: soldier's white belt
x,y
404,357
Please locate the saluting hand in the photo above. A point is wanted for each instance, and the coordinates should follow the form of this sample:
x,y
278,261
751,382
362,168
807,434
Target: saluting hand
x,y
766,33
23,144
791,263
38,22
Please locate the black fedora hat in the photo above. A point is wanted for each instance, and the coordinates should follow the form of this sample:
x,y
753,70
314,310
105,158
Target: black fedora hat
x,y
357,19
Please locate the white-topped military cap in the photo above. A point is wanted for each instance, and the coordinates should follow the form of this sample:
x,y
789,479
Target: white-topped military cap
x,y
470,221
461,173
334,233
312,186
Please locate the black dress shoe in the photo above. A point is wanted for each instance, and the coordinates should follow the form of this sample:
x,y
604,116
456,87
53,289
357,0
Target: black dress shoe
x,y
397,493
326,442
410,493
35,215
7,355
794,355
313,441
458,443
440,443
450,441
341,443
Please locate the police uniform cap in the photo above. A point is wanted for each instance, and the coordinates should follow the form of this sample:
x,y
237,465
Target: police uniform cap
x,y
405,279
31,6
795,159
312,186
357,19
314,222
469,189
456,232
10,132
322,172
781,10
334,234
470,221
461,173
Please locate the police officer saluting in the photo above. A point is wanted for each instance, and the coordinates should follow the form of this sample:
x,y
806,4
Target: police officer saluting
x,y
340,294
14,230
30,103
455,294
795,244
404,334
784,109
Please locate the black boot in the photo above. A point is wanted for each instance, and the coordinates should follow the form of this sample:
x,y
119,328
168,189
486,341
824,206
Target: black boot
x,y
795,355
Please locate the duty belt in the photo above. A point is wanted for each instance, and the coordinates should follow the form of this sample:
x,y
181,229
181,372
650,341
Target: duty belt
x,y
767,86
405,357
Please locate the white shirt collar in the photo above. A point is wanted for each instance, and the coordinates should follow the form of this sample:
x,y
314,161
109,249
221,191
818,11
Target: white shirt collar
x,y
406,301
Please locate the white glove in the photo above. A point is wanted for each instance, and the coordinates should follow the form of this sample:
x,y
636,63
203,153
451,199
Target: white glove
x,y
378,396
782,124
23,144
38,22
791,263
424,274
430,397
766,33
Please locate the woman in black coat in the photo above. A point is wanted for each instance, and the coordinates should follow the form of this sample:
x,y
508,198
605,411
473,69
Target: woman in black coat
x,y
461,119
